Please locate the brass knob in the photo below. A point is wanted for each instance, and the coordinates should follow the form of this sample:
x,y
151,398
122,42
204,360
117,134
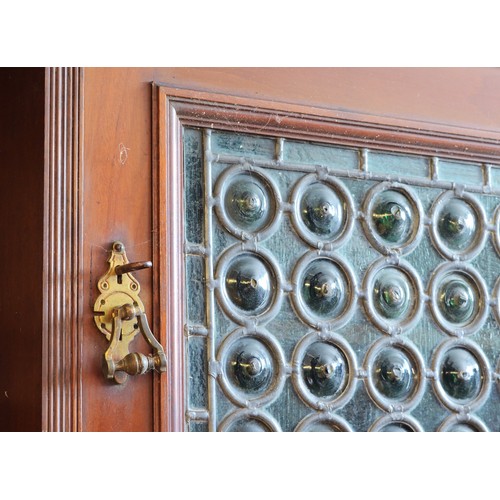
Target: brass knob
x,y
135,363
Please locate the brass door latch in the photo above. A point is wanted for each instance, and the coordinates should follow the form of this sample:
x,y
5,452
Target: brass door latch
x,y
119,314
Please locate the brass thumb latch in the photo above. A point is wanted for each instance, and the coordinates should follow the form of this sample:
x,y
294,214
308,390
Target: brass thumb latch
x,y
119,314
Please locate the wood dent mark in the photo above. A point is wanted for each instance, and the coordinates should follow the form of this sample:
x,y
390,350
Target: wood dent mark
x,y
123,153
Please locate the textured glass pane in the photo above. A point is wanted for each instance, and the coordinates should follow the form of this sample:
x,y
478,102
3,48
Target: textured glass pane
x,y
198,426
242,145
411,166
495,178
197,370
317,154
460,172
195,289
193,190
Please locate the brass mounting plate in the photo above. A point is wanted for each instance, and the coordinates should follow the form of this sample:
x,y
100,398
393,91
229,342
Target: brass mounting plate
x,y
115,291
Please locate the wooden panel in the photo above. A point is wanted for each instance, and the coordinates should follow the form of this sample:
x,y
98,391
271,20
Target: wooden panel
x,y
117,206
21,251
445,97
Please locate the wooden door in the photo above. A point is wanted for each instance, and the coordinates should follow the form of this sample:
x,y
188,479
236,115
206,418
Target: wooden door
x,y
113,172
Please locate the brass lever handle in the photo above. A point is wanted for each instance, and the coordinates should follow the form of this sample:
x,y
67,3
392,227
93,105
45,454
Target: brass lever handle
x,y
134,363
132,266
119,314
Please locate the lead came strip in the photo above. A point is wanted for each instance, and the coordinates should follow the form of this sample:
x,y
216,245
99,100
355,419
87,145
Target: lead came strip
x,y
212,420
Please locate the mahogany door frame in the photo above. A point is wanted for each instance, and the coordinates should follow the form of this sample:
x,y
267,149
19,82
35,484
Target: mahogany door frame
x,y
174,108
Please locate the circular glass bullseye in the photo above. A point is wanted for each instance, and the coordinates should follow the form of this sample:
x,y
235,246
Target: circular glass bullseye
x,y
397,427
324,288
392,217
248,425
249,420
323,422
325,369
388,423
460,375
462,428
249,283
392,293
249,365
394,374
248,202
458,299
323,427
457,224
322,211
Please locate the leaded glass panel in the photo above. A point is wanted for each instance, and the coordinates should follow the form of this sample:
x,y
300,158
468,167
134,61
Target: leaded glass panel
x,y
338,289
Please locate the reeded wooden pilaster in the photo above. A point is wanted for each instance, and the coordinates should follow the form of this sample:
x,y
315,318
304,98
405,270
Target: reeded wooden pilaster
x,y
63,276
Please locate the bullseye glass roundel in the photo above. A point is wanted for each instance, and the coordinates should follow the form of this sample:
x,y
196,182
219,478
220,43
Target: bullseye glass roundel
x,y
461,375
392,293
249,283
324,288
325,369
457,224
392,217
249,202
249,365
394,374
322,211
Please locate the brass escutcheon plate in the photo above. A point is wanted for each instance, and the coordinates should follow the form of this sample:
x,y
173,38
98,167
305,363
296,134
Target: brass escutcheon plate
x,y
116,291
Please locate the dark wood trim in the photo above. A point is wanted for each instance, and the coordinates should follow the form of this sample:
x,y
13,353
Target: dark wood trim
x,y
168,255
334,127
175,108
63,246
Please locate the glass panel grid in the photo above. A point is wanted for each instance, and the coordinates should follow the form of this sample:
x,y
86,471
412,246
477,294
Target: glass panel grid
x,y
339,295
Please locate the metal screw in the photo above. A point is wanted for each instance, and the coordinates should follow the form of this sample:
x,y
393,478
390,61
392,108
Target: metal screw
x,y
118,247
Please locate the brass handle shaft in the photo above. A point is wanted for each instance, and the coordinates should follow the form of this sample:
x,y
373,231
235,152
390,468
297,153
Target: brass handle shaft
x,y
132,266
